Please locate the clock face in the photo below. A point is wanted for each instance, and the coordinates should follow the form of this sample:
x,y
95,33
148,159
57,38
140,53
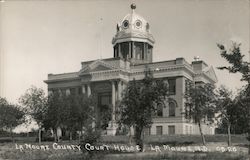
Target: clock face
x,y
125,24
138,24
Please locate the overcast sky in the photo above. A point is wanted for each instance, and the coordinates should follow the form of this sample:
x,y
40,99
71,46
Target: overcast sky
x,y
54,36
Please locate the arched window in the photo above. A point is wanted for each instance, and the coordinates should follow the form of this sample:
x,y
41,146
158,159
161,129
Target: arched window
x,y
172,107
160,110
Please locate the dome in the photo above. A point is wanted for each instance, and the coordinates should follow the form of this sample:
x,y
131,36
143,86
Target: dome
x,y
133,26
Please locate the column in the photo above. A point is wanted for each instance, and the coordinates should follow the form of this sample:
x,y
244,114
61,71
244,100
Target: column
x,y
50,92
88,90
83,89
143,52
60,92
113,100
124,85
133,51
67,92
112,126
129,50
119,50
119,88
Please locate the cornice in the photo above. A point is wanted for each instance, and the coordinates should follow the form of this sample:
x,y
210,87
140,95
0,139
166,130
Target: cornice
x,y
62,80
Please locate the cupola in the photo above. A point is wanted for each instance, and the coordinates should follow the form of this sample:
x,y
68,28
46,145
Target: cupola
x,y
133,40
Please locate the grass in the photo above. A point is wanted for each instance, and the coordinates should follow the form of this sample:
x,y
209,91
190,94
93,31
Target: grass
x,y
8,151
180,156
11,153
177,139
153,139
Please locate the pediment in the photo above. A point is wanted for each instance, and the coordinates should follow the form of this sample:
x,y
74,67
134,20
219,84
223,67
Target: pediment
x,y
96,66
100,68
209,71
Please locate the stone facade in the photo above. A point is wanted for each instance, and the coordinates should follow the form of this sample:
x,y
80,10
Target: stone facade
x,y
133,49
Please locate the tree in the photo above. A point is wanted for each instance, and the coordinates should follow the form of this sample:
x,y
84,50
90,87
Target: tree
x,y
236,61
77,113
227,110
72,112
35,102
69,114
3,101
10,116
243,104
105,115
53,113
199,105
139,102
237,65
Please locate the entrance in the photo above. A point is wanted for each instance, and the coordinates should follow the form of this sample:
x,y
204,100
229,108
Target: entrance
x,y
104,109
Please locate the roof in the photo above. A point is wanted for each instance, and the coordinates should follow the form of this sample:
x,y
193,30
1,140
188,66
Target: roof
x,y
133,26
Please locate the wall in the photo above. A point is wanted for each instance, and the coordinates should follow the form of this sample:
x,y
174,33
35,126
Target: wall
x,y
183,128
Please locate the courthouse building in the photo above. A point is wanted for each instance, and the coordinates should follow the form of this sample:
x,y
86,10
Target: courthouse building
x,y
133,51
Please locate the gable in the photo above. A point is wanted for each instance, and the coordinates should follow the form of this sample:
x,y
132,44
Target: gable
x,y
211,74
97,65
100,68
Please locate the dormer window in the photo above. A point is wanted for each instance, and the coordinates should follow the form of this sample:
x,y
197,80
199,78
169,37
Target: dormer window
x,y
125,24
138,24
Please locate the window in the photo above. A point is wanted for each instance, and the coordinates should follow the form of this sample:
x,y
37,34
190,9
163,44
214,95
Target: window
x,y
172,107
186,128
138,50
160,110
210,116
158,130
188,85
125,24
172,84
138,24
72,91
124,50
116,51
79,90
147,131
63,91
171,130
190,129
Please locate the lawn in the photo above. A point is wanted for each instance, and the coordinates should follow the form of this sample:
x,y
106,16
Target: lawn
x,y
8,149
178,139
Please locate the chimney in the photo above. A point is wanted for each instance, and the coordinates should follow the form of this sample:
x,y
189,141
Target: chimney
x,y
198,64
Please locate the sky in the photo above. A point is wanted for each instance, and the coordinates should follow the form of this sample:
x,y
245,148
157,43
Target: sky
x,y
38,37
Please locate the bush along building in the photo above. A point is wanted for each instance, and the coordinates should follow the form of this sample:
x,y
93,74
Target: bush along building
x,y
133,51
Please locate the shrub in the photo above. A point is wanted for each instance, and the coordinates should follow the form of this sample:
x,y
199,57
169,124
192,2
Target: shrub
x,y
47,139
92,137
5,140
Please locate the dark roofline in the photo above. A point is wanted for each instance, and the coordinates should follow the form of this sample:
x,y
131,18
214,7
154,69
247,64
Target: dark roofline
x,y
106,59
181,58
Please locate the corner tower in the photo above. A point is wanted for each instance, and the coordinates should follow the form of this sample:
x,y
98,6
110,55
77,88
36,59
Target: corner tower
x,y
133,40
